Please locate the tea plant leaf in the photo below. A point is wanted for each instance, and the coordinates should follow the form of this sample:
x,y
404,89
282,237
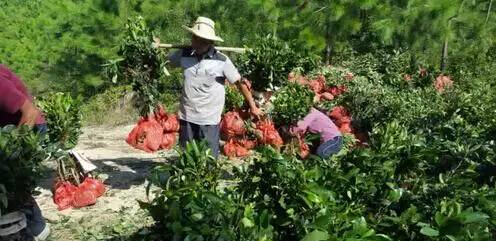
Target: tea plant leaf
x,y
428,231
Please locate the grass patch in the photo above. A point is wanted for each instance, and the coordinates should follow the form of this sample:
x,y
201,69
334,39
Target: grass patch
x,y
114,107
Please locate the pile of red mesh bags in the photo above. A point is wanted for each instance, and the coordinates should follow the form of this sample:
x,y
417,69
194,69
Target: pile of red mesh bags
x,y
442,82
318,85
342,118
155,132
268,133
67,195
233,130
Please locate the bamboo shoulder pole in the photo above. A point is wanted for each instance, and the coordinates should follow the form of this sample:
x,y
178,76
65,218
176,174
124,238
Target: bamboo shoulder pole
x,y
226,49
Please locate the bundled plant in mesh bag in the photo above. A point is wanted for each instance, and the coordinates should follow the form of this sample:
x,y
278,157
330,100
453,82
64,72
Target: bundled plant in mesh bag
x,y
63,114
291,104
234,99
20,163
140,63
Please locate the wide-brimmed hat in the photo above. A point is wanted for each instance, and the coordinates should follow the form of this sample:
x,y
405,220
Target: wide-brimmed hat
x,y
204,28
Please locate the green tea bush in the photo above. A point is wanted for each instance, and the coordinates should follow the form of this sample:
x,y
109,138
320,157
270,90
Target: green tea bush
x,y
193,204
270,60
20,160
234,98
291,104
141,64
64,118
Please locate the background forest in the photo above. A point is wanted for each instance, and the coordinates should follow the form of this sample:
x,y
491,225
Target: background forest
x,y
61,45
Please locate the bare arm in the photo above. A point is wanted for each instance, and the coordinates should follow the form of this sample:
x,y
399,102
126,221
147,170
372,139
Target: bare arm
x,y
29,114
245,90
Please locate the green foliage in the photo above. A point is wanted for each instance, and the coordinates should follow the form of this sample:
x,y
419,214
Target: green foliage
x,y
424,26
20,157
141,64
58,45
291,104
234,98
327,25
64,118
427,173
62,45
269,62
193,204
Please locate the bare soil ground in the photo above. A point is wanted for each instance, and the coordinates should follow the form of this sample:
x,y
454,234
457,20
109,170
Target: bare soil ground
x,y
116,215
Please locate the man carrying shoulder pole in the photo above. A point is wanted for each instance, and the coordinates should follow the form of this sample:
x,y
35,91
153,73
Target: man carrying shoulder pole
x,y
203,95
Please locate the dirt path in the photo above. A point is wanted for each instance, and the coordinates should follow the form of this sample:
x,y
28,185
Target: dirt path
x,y
124,170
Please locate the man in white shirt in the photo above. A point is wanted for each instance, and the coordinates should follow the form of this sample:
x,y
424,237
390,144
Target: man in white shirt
x,y
203,95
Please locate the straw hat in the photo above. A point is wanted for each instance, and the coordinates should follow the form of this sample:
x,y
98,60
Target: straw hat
x,y
204,28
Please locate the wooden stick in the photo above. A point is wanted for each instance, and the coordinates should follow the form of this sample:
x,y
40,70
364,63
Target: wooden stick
x,y
227,49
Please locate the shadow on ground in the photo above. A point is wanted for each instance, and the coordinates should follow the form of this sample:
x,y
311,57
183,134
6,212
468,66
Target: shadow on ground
x,y
122,173
146,234
119,173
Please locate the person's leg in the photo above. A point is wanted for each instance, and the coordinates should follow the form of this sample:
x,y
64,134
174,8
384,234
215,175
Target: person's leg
x,y
35,222
330,147
211,134
187,132
42,129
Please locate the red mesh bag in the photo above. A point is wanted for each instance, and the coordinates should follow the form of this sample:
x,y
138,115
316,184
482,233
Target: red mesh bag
x,y
168,141
64,195
146,135
234,149
83,197
248,144
337,90
304,149
169,122
338,112
232,125
327,96
318,84
345,120
334,91
172,123
269,134
442,82
94,185
345,128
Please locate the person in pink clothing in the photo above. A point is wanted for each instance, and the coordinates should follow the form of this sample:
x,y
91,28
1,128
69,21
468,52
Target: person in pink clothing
x,y
17,108
316,122
16,104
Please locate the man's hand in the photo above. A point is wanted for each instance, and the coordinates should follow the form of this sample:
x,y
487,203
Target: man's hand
x,y
156,42
29,114
244,87
295,131
256,112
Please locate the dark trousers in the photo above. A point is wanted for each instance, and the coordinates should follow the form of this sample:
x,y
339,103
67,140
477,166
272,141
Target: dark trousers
x,y
190,131
330,147
35,221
